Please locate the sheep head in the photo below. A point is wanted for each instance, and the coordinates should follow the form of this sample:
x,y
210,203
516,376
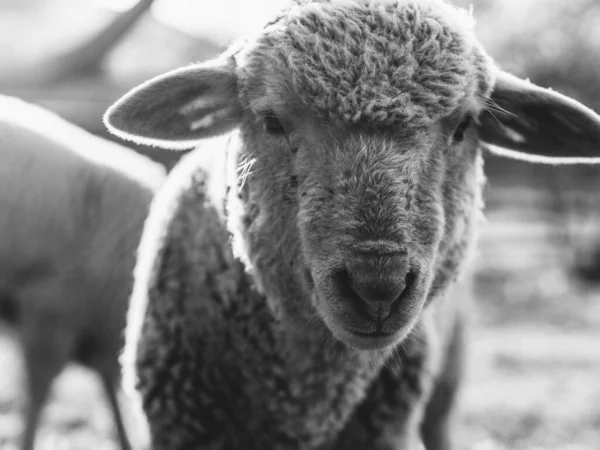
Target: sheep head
x,y
364,120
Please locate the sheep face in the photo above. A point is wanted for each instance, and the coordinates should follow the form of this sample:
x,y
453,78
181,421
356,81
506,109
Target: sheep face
x,y
368,217
361,113
363,121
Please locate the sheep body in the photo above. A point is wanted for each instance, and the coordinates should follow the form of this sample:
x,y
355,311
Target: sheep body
x,y
221,333
73,207
301,290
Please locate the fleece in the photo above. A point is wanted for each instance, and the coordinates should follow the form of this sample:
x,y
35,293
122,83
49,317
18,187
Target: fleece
x,y
381,62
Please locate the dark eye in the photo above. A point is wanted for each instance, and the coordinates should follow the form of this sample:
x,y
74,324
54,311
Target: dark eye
x,y
459,133
272,125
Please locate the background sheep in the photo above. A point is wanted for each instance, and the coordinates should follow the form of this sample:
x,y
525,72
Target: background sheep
x,y
72,209
329,321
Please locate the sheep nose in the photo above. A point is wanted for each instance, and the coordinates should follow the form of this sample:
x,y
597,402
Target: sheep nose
x,y
375,286
378,296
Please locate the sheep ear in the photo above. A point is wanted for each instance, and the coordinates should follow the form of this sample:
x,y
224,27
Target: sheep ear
x,y
178,108
525,121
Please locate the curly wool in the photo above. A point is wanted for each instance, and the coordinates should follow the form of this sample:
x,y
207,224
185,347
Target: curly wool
x,y
377,62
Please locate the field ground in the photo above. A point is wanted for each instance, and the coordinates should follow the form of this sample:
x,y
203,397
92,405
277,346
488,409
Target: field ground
x,y
534,364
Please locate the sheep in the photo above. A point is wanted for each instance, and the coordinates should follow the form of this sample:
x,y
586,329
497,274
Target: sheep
x,y
72,211
302,277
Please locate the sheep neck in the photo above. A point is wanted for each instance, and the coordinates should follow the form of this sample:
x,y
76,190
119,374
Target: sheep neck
x,y
310,374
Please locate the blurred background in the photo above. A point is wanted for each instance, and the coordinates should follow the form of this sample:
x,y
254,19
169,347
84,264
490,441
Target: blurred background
x,y
534,365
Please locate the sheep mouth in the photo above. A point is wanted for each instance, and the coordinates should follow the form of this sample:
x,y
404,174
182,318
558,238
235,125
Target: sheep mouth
x,y
377,340
370,335
349,324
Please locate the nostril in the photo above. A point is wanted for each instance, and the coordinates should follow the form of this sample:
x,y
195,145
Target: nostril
x,y
409,281
346,289
343,283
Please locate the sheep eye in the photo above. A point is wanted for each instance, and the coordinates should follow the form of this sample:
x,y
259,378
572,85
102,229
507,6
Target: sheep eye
x,y
272,125
459,133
